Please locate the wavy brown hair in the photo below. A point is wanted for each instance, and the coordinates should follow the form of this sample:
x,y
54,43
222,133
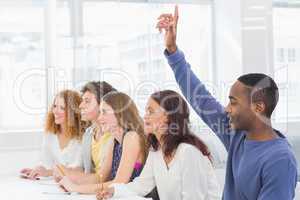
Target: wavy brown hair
x,y
127,116
178,124
74,127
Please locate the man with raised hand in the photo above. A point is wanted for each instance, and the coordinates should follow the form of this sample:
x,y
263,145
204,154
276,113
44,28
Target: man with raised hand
x,y
261,164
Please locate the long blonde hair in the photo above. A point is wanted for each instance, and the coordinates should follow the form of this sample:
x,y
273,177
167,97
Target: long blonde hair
x,y
73,126
127,116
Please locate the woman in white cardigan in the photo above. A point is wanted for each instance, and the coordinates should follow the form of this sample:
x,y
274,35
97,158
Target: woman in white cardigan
x,y
62,140
179,164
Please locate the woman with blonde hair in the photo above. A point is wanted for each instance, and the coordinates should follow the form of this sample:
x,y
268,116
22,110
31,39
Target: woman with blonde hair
x,y
126,157
62,140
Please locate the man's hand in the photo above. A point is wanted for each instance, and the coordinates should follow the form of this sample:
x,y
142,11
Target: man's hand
x,y
168,23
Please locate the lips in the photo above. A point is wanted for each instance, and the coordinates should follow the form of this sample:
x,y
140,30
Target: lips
x,y
147,127
231,120
58,120
102,122
147,124
57,117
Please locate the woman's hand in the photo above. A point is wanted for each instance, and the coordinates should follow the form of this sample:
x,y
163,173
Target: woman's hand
x,y
57,174
105,193
26,171
68,185
33,174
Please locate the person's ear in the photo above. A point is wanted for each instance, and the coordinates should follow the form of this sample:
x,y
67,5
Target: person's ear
x,y
260,107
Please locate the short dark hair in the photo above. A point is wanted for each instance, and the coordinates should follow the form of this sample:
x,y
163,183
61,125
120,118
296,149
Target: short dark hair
x,y
98,88
262,88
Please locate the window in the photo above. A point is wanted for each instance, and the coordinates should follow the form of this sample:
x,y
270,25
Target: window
x,y
280,55
286,19
291,55
127,50
287,41
22,74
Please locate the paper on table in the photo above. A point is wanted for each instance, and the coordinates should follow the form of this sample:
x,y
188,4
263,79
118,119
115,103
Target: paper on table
x,y
46,178
47,182
55,193
131,198
26,176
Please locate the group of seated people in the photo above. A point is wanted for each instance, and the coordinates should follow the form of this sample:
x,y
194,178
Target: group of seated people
x,y
98,139
97,143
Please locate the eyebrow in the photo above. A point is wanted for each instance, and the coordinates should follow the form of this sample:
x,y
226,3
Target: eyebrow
x,y
148,107
85,98
232,98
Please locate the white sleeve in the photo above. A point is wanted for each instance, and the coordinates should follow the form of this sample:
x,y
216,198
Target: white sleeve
x,y
141,185
76,155
195,175
79,161
46,157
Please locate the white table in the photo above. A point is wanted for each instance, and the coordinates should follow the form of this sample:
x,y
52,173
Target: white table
x,y
15,188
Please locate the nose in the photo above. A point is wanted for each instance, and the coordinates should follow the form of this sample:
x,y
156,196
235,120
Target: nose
x,y
99,118
81,105
228,108
54,110
146,116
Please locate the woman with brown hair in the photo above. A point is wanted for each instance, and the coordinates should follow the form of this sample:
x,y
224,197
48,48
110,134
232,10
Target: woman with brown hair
x,y
120,117
62,140
179,164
